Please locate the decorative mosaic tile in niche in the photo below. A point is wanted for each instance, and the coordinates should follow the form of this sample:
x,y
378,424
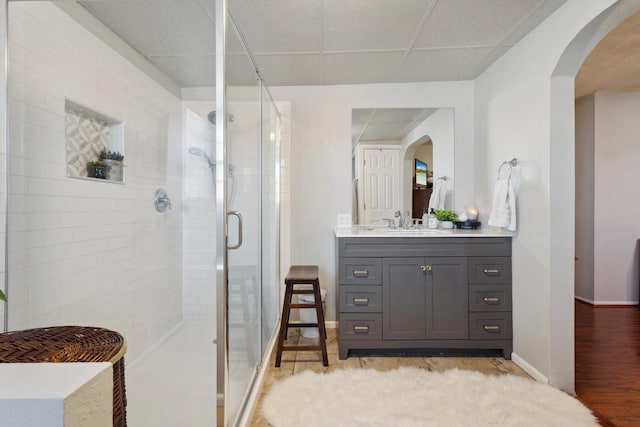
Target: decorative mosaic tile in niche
x,y
87,133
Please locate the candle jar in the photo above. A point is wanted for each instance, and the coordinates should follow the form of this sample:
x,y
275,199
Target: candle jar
x,y
472,214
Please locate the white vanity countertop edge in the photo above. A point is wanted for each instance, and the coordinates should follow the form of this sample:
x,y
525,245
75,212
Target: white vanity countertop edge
x,y
360,231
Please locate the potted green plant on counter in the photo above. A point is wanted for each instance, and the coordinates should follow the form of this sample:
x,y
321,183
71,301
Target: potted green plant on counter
x,y
113,160
445,218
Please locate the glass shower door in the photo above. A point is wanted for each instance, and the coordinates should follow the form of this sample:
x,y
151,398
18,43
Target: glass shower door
x,y
243,189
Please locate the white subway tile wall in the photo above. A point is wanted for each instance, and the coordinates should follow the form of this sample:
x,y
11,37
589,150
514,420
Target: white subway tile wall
x,y
81,252
199,217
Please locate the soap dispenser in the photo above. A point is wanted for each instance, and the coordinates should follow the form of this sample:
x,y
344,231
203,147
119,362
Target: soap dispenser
x,y
432,221
425,217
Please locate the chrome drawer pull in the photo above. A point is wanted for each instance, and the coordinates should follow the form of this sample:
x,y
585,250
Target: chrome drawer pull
x,y
491,271
361,273
361,301
491,300
492,329
361,329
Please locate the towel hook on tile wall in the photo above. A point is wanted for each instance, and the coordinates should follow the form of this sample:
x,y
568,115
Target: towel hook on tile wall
x,y
161,201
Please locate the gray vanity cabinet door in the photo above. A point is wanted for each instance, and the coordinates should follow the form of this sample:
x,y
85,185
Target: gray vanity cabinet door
x,y
425,298
403,299
447,298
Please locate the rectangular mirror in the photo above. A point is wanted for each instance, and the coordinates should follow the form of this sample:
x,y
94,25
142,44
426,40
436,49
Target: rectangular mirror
x,y
387,144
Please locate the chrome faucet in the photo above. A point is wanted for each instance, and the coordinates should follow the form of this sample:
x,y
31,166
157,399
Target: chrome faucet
x,y
398,214
403,220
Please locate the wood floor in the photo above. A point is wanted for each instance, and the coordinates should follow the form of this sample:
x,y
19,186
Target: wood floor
x,y
608,362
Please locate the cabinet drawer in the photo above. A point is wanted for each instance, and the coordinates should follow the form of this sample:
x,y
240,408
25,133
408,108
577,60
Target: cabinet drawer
x,y
360,326
360,299
490,298
490,326
489,270
360,271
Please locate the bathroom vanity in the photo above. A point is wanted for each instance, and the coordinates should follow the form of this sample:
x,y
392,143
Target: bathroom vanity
x,y
443,290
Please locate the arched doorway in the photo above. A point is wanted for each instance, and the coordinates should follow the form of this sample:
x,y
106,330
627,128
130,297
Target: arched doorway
x,y
562,182
418,156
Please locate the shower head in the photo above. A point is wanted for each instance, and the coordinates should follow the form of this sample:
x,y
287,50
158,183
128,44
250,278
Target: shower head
x,y
197,151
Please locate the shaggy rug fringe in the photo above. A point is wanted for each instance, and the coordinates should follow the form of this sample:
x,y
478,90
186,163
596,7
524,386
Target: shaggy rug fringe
x,y
417,397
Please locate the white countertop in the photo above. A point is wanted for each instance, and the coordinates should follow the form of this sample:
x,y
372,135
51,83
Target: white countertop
x,y
365,231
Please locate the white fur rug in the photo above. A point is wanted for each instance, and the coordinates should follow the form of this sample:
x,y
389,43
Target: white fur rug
x,y
417,397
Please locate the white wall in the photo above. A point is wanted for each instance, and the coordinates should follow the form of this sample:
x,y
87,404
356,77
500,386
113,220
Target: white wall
x,y
321,157
522,112
3,121
585,173
86,252
616,207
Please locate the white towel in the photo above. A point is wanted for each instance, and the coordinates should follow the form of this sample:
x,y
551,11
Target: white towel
x,y
438,195
503,210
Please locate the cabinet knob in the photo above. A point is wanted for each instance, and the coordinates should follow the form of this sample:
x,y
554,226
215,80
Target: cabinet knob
x,y
425,267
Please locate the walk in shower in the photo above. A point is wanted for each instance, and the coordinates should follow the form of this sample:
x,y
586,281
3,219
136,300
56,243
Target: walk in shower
x,y
194,288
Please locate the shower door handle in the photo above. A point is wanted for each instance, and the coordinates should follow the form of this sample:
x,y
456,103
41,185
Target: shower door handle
x,y
237,215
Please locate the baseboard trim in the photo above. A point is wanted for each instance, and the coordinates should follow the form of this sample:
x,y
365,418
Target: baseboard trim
x,y
607,303
585,300
529,369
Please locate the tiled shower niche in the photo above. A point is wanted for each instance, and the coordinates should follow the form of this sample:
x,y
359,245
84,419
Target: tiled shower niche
x,y
88,132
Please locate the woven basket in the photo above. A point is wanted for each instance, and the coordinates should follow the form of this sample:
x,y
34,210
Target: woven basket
x,y
71,344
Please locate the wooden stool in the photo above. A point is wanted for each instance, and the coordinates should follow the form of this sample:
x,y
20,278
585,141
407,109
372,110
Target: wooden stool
x,y
302,275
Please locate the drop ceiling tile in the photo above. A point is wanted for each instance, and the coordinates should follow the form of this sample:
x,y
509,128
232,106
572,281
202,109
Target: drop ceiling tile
x,y
440,64
188,71
155,27
371,24
460,23
291,69
539,14
491,57
379,131
280,26
360,67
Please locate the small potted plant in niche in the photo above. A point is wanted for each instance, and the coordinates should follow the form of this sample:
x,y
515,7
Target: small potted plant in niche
x,y
445,218
113,159
96,169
